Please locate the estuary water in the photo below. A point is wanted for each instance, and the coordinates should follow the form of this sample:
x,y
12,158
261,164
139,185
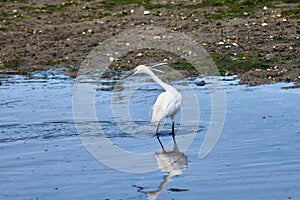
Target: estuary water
x,y
42,155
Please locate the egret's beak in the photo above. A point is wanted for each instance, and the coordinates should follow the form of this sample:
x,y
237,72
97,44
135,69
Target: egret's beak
x,y
130,73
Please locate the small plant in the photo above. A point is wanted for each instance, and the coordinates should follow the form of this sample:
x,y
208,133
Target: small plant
x,y
11,64
229,64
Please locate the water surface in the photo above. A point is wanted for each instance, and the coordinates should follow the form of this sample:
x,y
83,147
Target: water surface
x,y
42,156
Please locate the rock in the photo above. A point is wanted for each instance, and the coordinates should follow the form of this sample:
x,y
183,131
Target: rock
x,y
111,59
269,56
146,12
139,54
200,83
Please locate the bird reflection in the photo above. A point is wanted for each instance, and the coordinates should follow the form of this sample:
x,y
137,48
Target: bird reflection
x,y
170,162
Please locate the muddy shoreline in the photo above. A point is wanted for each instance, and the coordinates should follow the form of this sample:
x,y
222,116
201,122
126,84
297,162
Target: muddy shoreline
x,y
260,42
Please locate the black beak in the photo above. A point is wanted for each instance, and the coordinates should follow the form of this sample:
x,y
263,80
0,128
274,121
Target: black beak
x,y
127,74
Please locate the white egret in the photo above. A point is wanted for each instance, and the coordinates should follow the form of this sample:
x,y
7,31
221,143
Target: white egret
x,y
167,103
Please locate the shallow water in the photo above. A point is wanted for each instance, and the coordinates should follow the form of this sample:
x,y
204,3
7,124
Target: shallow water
x,y
43,157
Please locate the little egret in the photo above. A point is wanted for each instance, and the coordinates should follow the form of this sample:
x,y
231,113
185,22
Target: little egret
x,y
167,103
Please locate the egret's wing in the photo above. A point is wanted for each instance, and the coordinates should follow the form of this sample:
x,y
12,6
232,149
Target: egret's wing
x,y
159,108
166,105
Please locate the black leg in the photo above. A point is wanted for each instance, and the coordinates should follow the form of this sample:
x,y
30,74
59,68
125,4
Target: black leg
x,y
156,133
173,132
157,136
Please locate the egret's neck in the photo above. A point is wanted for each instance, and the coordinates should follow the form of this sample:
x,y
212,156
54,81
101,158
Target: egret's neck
x,y
162,84
158,81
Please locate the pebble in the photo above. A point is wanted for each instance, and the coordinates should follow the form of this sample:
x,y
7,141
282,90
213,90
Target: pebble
x,y
269,56
264,24
111,59
265,8
200,83
147,12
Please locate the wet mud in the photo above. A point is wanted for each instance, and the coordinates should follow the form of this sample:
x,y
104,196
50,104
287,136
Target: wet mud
x,y
259,41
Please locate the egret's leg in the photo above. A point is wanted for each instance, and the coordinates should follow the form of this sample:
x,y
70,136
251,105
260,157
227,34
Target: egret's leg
x,y
157,136
173,132
156,133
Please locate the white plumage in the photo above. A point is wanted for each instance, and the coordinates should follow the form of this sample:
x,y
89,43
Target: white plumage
x,y
167,103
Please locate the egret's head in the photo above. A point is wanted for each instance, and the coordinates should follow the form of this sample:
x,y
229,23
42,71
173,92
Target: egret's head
x,y
143,69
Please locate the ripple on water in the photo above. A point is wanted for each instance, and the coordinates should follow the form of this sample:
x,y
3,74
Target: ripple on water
x,y
256,157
